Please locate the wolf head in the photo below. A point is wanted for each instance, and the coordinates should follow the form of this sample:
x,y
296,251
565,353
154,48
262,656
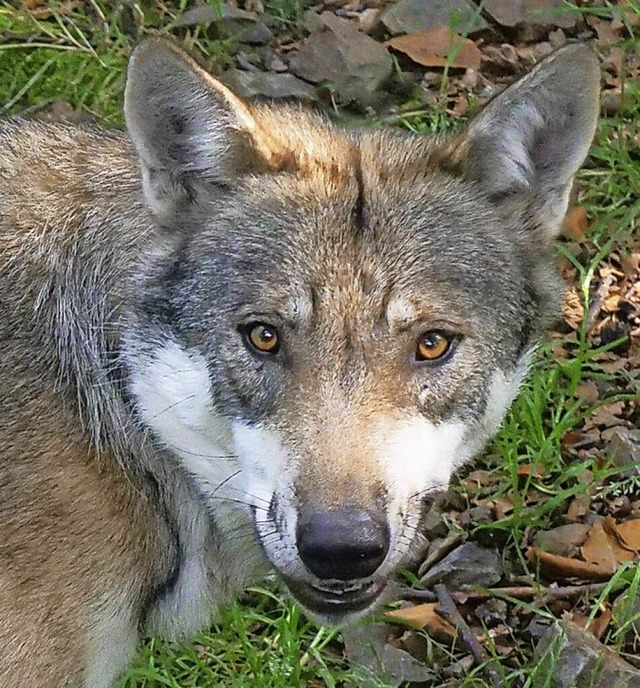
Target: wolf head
x,y
329,322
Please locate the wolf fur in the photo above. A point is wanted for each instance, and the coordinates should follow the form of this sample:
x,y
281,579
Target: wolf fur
x,y
151,463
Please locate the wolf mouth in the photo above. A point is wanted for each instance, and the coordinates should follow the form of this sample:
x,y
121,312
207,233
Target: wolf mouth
x,y
335,602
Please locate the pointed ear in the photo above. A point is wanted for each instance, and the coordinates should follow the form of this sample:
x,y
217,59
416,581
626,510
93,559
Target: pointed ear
x,y
190,131
528,143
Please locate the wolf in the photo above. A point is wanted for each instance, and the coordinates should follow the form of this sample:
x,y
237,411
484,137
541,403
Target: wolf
x,y
238,338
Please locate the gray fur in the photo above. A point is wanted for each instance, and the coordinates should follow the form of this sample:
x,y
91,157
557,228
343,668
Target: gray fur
x,y
123,253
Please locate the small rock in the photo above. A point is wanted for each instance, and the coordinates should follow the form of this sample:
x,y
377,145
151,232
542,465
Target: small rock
x,y
412,16
434,524
563,540
338,54
201,14
573,658
477,515
538,627
268,85
557,38
368,19
624,447
228,21
366,646
460,668
245,63
274,63
492,612
468,564
533,12
312,21
611,103
258,35
438,549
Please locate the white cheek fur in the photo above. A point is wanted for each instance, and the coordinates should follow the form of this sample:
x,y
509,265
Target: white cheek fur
x,y
251,463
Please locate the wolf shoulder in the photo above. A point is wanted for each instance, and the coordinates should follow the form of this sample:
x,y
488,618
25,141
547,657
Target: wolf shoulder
x,y
53,169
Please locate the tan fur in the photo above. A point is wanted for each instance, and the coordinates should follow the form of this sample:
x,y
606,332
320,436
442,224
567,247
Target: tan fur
x,y
76,530
109,528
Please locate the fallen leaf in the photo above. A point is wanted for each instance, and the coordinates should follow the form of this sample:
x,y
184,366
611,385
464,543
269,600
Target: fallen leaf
x,y
558,566
573,308
607,33
425,616
612,303
627,533
587,390
603,549
530,469
578,508
479,479
606,415
502,507
575,223
600,624
437,47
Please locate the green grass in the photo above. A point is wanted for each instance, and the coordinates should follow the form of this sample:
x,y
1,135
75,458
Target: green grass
x,y
265,642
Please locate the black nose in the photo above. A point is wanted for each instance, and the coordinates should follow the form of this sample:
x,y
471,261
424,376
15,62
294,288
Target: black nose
x,y
342,544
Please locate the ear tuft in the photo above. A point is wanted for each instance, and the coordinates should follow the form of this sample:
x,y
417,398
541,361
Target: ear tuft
x,y
187,127
529,142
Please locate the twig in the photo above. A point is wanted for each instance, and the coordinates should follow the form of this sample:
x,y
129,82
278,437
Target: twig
x,y
482,658
520,592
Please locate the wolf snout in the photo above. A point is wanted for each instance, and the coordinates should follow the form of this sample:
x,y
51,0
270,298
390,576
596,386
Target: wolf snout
x,y
342,544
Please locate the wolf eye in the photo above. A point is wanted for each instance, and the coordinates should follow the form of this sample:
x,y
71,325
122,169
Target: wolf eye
x,y
433,345
261,337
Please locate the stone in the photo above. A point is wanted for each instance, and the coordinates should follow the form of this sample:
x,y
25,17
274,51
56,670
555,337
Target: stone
x,y
564,540
624,447
272,85
532,12
572,658
366,647
434,524
274,63
468,564
228,21
337,54
412,16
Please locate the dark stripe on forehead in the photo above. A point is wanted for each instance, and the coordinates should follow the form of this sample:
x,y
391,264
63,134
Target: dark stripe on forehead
x,y
358,213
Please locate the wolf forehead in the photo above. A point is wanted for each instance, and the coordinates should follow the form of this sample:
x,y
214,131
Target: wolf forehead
x,y
362,211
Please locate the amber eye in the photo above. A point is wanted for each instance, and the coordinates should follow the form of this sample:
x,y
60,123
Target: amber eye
x,y
433,346
262,337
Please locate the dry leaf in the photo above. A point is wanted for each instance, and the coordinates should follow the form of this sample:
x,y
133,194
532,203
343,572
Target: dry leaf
x,y
578,508
558,566
435,46
575,223
604,550
479,479
627,533
588,391
607,33
425,616
502,507
600,624
533,470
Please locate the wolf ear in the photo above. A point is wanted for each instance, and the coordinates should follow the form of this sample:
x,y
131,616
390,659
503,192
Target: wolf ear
x,y
189,129
528,143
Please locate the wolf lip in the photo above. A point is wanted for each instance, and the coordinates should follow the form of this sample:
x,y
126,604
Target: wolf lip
x,y
335,602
